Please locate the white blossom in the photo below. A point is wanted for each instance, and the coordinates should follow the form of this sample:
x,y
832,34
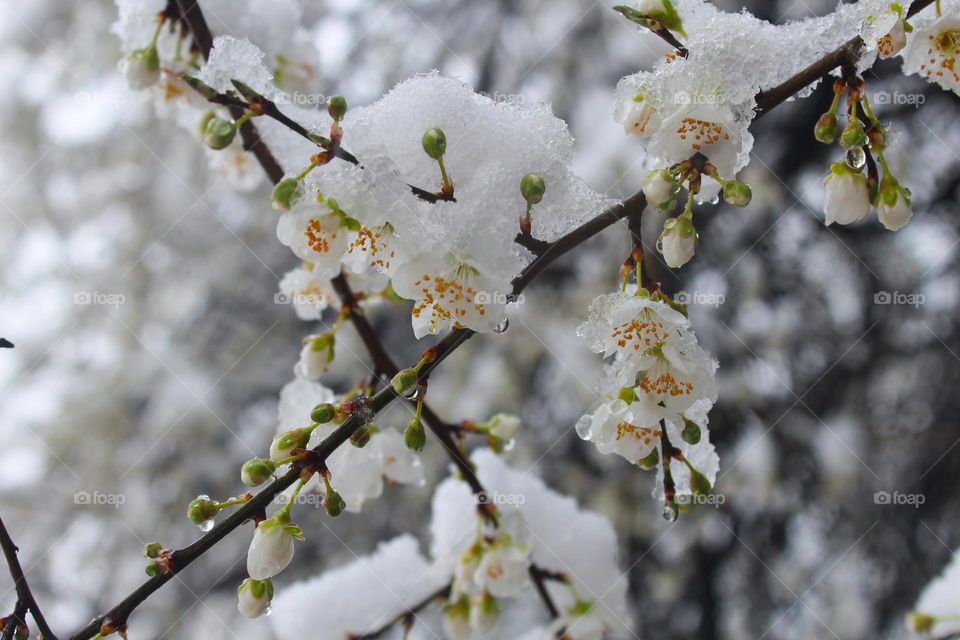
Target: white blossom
x,y
629,430
504,426
271,549
847,195
254,596
309,293
503,570
933,49
893,207
939,602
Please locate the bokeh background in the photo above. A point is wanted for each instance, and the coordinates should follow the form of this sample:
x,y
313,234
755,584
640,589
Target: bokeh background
x,y
138,287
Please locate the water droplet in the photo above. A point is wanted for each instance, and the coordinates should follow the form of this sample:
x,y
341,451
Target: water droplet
x,y
268,610
856,157
412,395
670,512
508,445
206,525
659,246
502,326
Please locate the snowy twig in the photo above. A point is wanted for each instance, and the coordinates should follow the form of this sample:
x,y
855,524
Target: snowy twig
x,y
25,600
847,54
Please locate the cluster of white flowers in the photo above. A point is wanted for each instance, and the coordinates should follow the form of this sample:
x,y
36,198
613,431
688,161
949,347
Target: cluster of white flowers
x,y
499,601
658,388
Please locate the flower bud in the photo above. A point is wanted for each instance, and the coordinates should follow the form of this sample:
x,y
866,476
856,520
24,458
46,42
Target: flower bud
x,y
153,568
323,413
484,613
254,596
504,426
456,620
152,549
827,128
532,187
142,68
405,382
920,622
628,395
691,432
649,461
661,189
337,107
202,509
893,204
286,193
256,471
854,135
283,444
361,437
333,502
699,483
434,143
677,241
414,436
737,193
219,132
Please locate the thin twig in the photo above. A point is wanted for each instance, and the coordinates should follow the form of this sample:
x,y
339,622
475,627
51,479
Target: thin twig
x,y
409,614
25,597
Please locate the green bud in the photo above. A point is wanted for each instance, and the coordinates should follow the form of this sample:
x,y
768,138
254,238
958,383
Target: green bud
x,y
627,394
361,437
685,227
434,143
286,193
853,134
920,622
649,461
691,432
284,443
153,568
202,509
405,382
699,483
323,413
219,132
337,107
827,128
333,503
737,193
255,472
532,187
152,549
202,125
414,436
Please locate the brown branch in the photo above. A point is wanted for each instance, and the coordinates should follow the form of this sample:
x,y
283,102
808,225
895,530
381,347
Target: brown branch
x,y
25,600
407,615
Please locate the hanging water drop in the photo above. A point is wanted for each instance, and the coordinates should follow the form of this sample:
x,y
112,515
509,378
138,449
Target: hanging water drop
x,y
670,512
856,157
413,393
502,326
206,525
268,610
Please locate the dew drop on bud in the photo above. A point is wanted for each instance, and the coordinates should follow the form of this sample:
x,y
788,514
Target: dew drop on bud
x,y
502,326
508,445
856,158
670,512
206,525
413,393
268,610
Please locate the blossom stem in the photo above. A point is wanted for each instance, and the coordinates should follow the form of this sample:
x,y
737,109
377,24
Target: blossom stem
x,y
284,512
235,501
446,185
161,20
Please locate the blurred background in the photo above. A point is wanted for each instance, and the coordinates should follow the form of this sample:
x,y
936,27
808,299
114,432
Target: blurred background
x,y
138,287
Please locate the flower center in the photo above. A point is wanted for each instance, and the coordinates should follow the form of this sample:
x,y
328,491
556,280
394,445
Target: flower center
x,y
644,434
318,237
701,132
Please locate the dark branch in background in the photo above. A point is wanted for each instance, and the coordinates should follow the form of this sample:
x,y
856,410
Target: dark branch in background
x,y
25,600
405,617
5,344
632,207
